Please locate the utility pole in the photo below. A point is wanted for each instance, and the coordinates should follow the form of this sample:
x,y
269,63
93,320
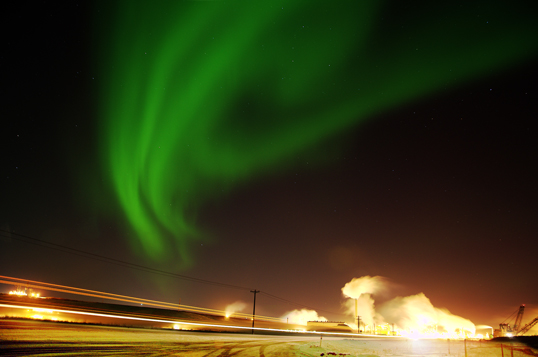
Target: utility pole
x,y
254,308
358,324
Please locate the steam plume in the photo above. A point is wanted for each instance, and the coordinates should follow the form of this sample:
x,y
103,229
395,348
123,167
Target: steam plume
x,y
413,314
301,317
365,308
416,313
364,285
237,306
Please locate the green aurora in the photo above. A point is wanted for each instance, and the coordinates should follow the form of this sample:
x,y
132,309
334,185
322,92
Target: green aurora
x,y
200,96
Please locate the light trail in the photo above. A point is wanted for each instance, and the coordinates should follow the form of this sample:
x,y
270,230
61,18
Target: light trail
x,y
165,305
124,298
201,324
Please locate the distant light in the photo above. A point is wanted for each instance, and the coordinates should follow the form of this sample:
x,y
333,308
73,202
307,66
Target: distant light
x,y
38,309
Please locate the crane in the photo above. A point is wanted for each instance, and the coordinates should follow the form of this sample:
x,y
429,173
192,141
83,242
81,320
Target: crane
x,y
506,330
528,326
519,317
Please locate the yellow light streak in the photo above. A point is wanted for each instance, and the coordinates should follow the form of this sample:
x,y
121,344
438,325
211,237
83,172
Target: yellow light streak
x,y
124,298
38,309
200,324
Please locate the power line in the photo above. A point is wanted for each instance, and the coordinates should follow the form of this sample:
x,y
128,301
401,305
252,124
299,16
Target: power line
x,y
109,296
62,248
102,258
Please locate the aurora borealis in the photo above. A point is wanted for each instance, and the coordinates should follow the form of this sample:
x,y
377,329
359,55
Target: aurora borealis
x,y
287,148
200,96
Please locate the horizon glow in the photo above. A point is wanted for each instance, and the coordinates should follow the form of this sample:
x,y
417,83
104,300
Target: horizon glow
x,y
199,97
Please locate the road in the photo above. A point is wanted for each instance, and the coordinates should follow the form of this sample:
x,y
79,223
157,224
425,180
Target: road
x,y
34,338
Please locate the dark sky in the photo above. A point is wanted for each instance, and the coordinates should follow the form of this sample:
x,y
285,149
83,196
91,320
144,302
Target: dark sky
x,y
437,194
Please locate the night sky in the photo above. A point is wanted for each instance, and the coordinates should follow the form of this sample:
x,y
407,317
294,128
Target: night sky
x,y
285,150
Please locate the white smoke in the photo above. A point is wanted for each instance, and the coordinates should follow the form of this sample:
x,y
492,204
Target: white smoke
x,y
301,317
364,285
416,313
237,306
413,313
360,302
365,309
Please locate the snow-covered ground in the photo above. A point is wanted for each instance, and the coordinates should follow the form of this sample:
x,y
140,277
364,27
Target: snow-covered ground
x,y
437,348
26,337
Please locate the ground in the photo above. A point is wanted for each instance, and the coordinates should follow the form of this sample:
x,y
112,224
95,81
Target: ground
x,y
40,338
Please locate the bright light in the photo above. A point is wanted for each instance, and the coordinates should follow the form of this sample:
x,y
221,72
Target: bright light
x,y
20,292
176,327
431,332
38,309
